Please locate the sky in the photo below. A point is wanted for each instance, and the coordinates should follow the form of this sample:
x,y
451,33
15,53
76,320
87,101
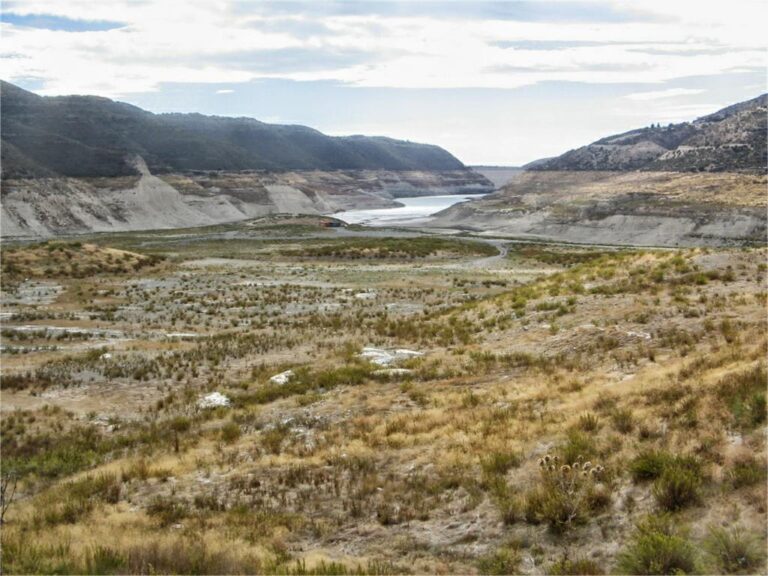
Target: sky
x,y
500,82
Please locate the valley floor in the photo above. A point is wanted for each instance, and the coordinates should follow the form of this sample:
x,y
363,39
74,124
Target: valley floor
x,y
443,405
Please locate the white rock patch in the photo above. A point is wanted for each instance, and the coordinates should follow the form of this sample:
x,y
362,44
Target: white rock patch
x,y
386,357
366,295
214,400
392,372
282,378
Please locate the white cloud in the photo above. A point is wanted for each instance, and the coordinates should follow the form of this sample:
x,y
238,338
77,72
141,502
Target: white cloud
x,y
660,94
669,49
203,41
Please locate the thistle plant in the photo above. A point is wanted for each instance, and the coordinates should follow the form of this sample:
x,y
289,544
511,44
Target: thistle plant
x,y
563,498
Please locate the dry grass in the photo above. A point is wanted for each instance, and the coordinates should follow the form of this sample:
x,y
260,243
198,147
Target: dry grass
x,y
649,364
55,259
717,188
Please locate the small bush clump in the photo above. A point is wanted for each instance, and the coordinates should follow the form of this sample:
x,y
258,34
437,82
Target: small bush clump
x,y
651,464
746,471
574,567
230,432
589,422
562,499
505,560
657,548
734,552
167,510
499,462
578,445
744,394
677,488
623,420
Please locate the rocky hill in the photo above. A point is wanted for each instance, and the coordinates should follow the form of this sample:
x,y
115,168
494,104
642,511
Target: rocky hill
x,y
84,136
732,139
688,184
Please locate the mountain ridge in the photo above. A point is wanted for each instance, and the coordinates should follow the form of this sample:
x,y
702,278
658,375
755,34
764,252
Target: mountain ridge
x,y
731,139
85,136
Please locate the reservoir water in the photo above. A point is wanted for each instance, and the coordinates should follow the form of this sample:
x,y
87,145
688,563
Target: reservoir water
x,y
415,209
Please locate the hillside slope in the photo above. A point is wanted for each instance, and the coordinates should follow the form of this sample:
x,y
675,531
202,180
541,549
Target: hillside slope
x,y
700,183
732,139
82,136
624,208
44,207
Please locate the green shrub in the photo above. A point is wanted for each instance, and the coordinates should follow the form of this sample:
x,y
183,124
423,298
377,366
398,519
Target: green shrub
x,y
323,568
306,381
167,510
677,488
597,498
185,556
651,464
578,566
497,463
67,510
589,422
104,560
511,507
758,409
75,500
746,471
505,560
230,432
578,446
623,420
734,552
23,555
273,438
559,511
657,548
744,394
105,487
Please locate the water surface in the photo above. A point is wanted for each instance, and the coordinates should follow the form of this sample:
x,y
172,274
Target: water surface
x,y
415,210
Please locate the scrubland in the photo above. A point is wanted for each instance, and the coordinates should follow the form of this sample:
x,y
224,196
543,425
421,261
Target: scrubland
x,y
574,410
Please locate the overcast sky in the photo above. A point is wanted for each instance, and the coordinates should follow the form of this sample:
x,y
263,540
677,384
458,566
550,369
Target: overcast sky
x,y
493,82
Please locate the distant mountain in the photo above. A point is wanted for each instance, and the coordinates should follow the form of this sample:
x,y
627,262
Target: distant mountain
x,y
82,136
730,140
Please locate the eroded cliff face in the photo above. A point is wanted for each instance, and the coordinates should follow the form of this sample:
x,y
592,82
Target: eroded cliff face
x,y
44,207
625,208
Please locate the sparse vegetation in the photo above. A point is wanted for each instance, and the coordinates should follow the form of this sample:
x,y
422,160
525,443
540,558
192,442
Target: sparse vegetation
x,y
644,365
